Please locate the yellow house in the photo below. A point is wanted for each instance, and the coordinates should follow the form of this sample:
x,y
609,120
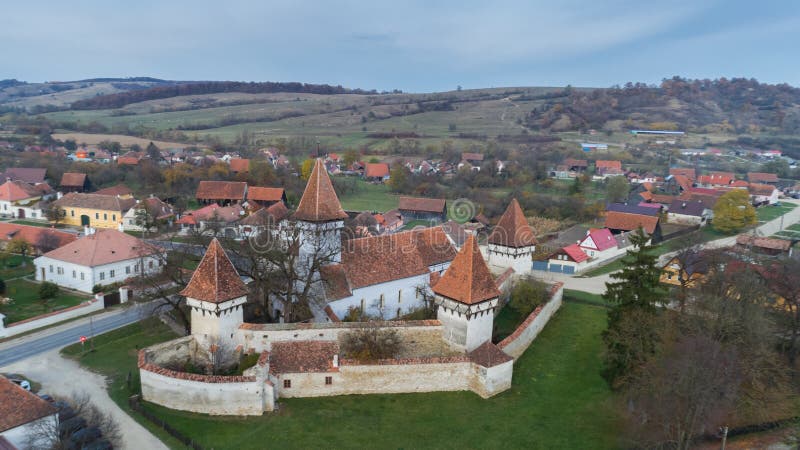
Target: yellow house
x,y
691,271
97,211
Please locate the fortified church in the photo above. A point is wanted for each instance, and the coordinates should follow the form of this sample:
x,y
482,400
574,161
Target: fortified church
x,y
386,276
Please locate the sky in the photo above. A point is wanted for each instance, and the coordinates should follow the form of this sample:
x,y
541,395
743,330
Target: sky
x,y
415,46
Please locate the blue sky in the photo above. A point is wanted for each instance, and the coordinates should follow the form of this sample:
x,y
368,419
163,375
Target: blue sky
x,y
416,46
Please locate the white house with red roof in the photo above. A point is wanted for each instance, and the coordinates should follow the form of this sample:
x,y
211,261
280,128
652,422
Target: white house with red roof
x,y
569,259
22,200
599,243
102,257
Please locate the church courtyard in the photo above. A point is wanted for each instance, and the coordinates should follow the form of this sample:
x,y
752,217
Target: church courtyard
x,y
557,399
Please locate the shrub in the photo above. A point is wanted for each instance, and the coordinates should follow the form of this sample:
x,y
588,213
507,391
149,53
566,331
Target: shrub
x,y
48,290
371,343
2,287
528,293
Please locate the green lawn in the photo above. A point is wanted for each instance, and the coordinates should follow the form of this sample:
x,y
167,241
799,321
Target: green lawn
x,y
11,266
27,303
369,197
558,400
32,223
767,213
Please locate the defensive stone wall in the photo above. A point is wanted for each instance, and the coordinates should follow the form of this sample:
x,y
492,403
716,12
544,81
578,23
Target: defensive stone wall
x,y
516,343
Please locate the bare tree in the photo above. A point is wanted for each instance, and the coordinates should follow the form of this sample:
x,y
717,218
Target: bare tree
x,y
54,214
47,434
371,342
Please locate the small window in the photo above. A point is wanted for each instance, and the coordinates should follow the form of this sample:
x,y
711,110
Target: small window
x,y
363,302
105,216
81,275
328,381
399,312
51,268
287,384
382,300
72,212
127,269
136,268
150,264
114,217
102,275
110,274
74,274
96,215
399,295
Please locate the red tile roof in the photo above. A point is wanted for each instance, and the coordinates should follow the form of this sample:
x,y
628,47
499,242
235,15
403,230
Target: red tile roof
x,y
319,202
432,205
73,180
221,190
513,229
761,177
215,280
18,406
602,237
468,279
606,164
572,162
715,180
761,189
334,278
663,199
267,216
684,171
302,357
240,165
94,201
683,182
31,175
105,246
34,235
265,194
472,156
376,170
119,189
576,253
489,355
628,222
763,242
13,191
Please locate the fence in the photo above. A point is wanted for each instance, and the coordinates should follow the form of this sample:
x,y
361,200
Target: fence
x,y
134,403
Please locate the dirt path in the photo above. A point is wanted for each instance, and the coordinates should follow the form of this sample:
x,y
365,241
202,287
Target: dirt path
x,y
61,376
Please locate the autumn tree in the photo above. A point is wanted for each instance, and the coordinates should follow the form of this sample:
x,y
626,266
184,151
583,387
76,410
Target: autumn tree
x,y
54,214
634,298
398,178
19,246
734,212
305,169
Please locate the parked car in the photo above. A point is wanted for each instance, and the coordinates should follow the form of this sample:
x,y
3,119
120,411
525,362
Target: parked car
x,y
65,413
83,437
100,444
47,398
24,384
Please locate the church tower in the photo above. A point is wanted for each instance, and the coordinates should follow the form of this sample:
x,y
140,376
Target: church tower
x,y
320,217
512,242
216,294
467,296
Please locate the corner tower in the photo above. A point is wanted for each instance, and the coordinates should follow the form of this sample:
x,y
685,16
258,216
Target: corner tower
x,y
320,216
467,296
216,294
512,242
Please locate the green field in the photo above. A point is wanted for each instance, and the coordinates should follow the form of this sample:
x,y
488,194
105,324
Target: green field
x,y
767,213
557,400
27,303
369,197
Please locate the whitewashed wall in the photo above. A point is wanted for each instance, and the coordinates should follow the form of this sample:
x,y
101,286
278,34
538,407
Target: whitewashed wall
x,y
519,341
20,436
71,276
409,300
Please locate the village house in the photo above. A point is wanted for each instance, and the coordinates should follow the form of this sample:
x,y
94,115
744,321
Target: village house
x,y
221,192
620,222
239,165
716,179
607,168
688,212
23,416
762,178
432,210
376,172
263,197
118,190
259,221
763,194
40,239
570,259
599,243
212,219
74,182
688,270
97,211
576,165
150,210
512,241
390,221
30,175
22,200
687,172
764,245
100,257
129,159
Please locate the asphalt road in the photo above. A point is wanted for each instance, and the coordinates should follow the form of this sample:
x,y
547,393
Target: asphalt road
x,y
70,333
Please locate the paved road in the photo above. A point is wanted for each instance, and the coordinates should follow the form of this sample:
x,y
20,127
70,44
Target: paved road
x,y
70,333
597,285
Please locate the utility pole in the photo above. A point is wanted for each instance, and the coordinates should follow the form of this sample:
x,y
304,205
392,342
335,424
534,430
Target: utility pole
x,y
91,333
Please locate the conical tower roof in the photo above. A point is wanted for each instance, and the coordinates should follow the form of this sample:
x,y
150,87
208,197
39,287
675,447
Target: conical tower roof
x,y
513,230
468,279
319,202
215,280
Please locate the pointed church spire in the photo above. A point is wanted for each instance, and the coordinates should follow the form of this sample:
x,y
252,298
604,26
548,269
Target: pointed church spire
x,y
215,280
513,230
468,279
319,202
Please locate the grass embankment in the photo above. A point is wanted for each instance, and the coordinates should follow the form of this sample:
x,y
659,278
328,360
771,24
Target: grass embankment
x,y
27,303
555,401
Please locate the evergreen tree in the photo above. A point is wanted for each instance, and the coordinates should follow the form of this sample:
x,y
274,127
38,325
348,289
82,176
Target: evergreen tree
x,y
631,337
